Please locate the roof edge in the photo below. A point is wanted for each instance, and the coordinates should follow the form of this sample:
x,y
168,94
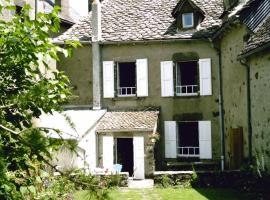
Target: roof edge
x,y
125,130
253,51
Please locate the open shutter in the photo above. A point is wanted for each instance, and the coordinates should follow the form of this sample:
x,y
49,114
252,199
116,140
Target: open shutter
x,y
205,140
170,139
167,79
205,77
108,152
142,77
138,146
108,79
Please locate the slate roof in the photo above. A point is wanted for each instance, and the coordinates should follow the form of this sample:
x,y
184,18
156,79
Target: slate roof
x,y
140,20
133,120
260,38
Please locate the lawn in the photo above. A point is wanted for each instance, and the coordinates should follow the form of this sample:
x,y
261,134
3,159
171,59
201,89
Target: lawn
x,y
169,194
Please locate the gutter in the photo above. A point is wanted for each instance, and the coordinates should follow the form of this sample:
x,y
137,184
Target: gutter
x,y
256,50
244,63
139,41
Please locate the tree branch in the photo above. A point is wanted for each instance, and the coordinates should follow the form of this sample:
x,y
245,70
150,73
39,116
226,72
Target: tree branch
x,y
8,129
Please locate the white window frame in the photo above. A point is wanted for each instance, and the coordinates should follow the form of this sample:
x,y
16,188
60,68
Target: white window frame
x,y
184,22
194,148
178,65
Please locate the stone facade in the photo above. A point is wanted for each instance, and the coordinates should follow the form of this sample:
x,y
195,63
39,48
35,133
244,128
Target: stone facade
x,y
171,108
234,85
260,106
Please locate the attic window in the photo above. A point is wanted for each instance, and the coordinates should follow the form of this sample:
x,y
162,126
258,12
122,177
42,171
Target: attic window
x,y
188,20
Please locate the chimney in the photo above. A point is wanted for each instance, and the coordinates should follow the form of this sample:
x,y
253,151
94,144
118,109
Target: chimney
x,y
96,60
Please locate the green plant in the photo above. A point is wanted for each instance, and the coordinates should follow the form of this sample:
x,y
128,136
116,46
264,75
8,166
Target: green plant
x,y
165,181
194,177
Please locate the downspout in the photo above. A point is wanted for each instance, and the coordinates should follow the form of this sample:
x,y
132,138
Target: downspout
x,y
221,111
96,57
244,63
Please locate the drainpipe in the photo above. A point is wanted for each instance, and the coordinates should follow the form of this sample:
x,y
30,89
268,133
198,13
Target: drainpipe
x,y
244,63
221,111
96,57
220,108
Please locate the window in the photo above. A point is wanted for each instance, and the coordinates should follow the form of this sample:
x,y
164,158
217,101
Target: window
x,y
126,79
188,139
191,78
130,79
187,20
187,78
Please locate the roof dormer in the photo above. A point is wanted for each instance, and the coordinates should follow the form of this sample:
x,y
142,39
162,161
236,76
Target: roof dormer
x,y
187,14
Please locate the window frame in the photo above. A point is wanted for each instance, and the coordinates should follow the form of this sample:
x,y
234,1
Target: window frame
x,y
185,26
178,68
118,80
178,145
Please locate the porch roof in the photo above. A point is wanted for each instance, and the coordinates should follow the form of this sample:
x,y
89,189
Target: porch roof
x,y
128,121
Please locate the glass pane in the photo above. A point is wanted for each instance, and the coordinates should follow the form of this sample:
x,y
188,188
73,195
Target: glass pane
x,y
188,20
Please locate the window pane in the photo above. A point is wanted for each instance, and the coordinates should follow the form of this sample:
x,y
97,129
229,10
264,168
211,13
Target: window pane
x,y
187,73
188,134
187,19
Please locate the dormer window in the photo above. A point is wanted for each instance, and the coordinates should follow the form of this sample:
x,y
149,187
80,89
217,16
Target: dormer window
x,y
187,20
188,15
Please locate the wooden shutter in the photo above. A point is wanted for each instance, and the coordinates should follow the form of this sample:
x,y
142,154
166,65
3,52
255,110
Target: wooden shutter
x,y
108,79
167,79
205,77
108,152
142,77
170,128
205,140
138,146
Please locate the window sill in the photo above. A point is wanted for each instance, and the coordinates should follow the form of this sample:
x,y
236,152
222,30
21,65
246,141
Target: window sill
x,y
187,94
130,95
188,156
127,98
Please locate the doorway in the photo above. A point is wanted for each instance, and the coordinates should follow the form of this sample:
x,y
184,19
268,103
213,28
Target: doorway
x,y
125,154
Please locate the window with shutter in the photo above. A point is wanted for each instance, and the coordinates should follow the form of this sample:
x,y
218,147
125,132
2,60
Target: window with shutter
x,y
205,140
170,130
142,77
108,79
187,78
205,77
126,79
167,79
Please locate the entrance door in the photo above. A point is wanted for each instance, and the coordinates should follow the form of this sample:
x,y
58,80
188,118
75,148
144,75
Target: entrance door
x,y
138,145
125,154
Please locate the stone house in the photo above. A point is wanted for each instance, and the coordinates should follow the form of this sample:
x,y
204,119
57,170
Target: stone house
x,y
153,67
243,43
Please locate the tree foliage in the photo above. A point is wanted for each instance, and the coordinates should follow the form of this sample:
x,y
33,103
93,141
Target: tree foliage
x,y
26,91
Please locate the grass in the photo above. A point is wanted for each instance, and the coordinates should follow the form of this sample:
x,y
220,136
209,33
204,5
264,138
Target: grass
x,y
169,194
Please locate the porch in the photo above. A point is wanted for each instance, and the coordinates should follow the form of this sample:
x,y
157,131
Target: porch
x,y
126,138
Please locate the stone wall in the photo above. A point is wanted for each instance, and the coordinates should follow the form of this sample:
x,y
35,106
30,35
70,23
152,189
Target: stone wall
x,y
260,106
79,69
234,84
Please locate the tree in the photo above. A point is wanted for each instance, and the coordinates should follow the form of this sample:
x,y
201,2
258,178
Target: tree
x,y
27,91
